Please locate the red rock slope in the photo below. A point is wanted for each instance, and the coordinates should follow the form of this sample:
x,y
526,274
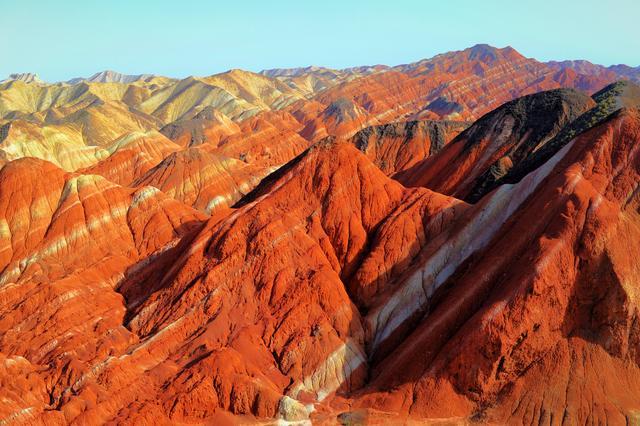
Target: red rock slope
x,y
399,146
67,242
538,323
500,139
328,291
461,85
254,303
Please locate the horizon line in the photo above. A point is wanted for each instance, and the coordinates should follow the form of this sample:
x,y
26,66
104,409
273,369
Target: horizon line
x,y
135,74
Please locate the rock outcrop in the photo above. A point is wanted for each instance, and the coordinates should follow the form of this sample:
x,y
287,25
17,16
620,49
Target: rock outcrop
x,y
491,147
399,146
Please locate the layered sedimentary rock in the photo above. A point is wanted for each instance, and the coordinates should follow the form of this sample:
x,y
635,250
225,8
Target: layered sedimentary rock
x,y
67,241
216,173
102,122
334,293
26,77
75,139
269,139
311,80
237,94
315,245
202,179
370,100
131,156
109,76
90,114
399,146
459,85
209,125
302,222
62,145
515,139
525,336
586,68
491,146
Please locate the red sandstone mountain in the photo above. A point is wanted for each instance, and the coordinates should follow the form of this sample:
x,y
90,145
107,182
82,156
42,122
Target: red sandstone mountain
x,y
460,85
500,139
318,245
516,138
132,156
586,68
202,179
543,312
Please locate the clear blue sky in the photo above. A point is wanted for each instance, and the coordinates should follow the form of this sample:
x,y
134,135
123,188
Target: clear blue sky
x,y
69,38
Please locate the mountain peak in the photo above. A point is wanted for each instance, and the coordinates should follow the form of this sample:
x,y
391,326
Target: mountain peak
x,y
294,72
489,54
25,77
110,76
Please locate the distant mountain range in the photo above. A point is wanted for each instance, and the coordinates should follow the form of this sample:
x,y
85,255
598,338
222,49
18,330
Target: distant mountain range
x,y
112,77
460,85
26,77
579,66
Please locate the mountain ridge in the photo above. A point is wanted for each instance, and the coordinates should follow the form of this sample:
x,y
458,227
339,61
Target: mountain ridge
x,y
478,50
450,241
